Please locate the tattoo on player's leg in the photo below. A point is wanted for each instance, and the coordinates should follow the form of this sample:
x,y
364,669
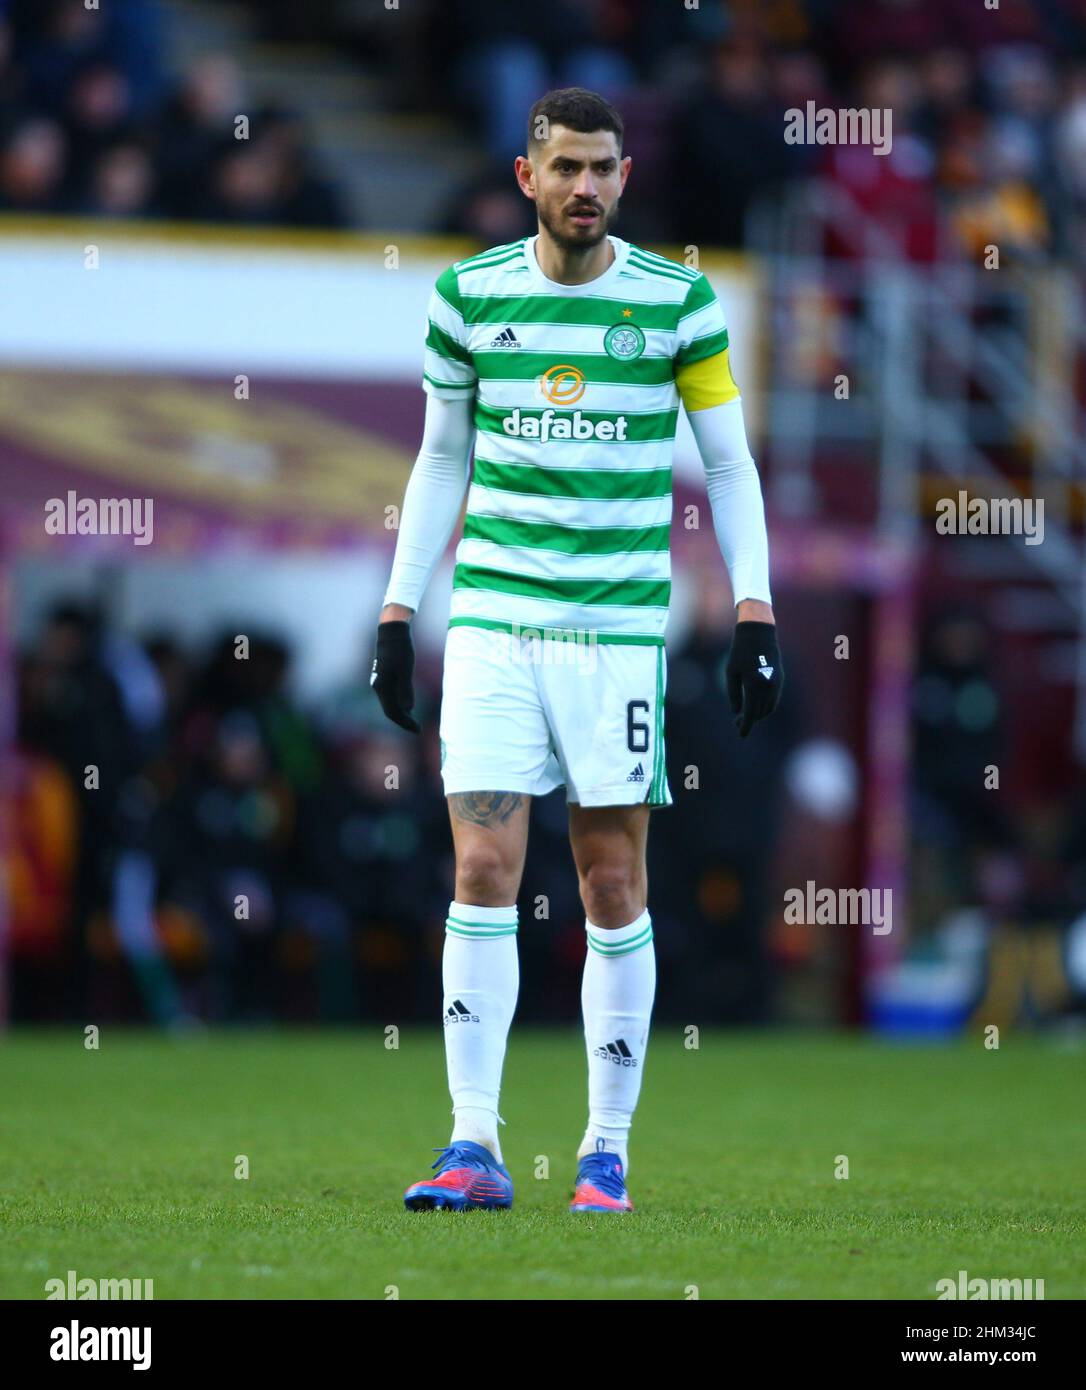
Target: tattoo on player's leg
x,y
484,808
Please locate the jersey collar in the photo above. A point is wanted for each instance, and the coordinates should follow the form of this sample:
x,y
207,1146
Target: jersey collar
x,y
601,282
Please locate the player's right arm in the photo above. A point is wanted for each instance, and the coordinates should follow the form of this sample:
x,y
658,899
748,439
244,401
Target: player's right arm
x,y
439,479
433,498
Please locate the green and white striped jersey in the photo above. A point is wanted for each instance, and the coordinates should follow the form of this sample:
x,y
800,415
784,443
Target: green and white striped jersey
x,y
576,404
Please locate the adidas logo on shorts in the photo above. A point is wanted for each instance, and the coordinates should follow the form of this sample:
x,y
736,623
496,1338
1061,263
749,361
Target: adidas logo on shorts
x,y
637,775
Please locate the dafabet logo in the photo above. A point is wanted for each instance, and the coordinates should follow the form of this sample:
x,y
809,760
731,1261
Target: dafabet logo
x,y
562,384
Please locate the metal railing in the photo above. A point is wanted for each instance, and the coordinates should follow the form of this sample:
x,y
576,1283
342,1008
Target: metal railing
x,y
941,372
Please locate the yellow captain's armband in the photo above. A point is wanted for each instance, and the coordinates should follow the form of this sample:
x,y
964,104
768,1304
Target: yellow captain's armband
x,y
707,383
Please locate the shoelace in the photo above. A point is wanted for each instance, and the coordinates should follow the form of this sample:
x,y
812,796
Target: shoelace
x,y
446,1155
602,1171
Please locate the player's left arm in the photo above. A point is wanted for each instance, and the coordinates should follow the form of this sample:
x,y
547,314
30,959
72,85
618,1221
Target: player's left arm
x,y
708,390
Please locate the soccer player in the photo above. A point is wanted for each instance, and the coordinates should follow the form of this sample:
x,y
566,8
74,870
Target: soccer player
x,y
560,361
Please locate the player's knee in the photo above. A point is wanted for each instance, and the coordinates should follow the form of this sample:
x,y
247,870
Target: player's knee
x,y
484,877
610,894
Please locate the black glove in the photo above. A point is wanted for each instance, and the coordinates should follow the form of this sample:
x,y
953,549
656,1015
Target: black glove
x,y
755,674
393,667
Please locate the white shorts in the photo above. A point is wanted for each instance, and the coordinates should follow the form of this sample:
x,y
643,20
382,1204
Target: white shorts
x,y
527,715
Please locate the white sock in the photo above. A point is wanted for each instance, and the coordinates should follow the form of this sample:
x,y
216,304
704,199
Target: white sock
x,y
617,991
480,975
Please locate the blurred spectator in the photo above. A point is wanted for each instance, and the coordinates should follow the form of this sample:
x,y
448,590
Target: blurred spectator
x,y
361,837
74,715
895,191
287,732
994,201
962,831
267,179
32,160
227,829
490,210
122,182
712,852
45,832
947,92
56,36
507,58
197,118
243,184
12,78
97,110
715,179
305,198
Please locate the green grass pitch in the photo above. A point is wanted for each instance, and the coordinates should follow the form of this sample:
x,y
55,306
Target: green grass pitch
x,y
120,1163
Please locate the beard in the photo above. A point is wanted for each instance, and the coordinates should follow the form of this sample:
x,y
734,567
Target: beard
x,y
573,238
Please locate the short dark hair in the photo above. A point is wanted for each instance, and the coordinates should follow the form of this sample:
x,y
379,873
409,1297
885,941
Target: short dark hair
x,y
577,109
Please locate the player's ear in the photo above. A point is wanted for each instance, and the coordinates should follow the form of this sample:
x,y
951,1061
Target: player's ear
x,y
525,175
624,168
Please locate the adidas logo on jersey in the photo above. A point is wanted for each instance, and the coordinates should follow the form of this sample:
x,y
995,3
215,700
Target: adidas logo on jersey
x,y
457,1012
546,426
506,339
637,775
618,1053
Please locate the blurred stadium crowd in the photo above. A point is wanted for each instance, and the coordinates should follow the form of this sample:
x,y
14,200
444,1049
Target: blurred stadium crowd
x,y
989,110
190,843
93,121
214,818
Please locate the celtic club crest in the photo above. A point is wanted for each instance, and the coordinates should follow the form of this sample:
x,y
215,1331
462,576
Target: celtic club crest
x,y
624,341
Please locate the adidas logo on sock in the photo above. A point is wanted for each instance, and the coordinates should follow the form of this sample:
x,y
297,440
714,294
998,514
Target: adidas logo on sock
x,y
506,339
637,775
618,1053
457,1012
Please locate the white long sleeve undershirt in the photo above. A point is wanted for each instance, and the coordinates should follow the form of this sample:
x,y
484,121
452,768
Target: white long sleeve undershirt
x,y
439,480
433,498
735,495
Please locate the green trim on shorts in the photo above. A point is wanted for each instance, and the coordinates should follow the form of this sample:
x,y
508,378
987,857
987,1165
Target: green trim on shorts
x,y
656,795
